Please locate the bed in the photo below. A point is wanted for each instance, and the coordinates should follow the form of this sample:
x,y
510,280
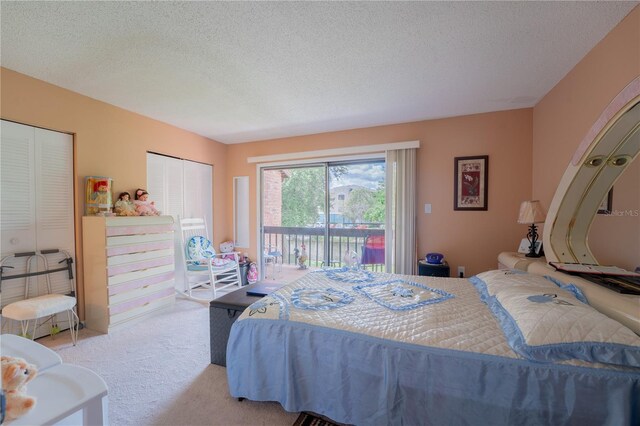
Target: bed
x,y
368,348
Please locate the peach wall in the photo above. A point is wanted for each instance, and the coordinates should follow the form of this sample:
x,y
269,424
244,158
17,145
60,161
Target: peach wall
x,y
108,141
472,239
563,117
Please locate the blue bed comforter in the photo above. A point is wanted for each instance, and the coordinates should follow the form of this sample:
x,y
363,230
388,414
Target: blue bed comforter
x,y
371,349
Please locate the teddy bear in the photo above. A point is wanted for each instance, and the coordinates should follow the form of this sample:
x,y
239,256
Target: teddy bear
x,y
16,373
227,247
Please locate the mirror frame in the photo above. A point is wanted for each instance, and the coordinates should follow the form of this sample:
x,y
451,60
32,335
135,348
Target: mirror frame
x,y
610,146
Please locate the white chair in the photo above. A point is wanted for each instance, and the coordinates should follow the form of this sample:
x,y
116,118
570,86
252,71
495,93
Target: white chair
x,y
271,255
42,306
203,267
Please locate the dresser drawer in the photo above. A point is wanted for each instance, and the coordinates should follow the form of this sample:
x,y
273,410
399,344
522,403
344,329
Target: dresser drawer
x,y
138,248
137,239
136,275
113,231
118,309
137,221
140,265
137,257
140,283
141,311
142,291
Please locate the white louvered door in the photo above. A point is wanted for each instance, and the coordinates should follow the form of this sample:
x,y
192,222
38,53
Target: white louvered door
x,y
37,210
155,181
198,181
17,189
54,201
180,188
174,189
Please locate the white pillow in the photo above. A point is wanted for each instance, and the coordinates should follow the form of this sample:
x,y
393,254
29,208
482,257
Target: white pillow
x,y
553,325
490,282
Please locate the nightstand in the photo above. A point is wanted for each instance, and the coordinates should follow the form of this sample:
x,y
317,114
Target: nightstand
x,y
513,260
430,270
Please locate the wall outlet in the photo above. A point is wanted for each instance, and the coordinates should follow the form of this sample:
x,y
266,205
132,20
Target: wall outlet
x,y
460,271
427,208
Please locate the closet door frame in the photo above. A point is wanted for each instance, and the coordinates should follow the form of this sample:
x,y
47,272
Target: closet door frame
x,y
51,219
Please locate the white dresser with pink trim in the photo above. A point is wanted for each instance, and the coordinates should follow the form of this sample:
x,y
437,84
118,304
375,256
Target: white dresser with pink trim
x,y
128,269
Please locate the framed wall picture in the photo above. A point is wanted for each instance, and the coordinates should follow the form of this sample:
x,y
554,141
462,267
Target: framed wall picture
x,y
607,204
471,183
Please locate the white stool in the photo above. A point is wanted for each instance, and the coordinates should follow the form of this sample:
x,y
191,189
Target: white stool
x,y
48,305
40,307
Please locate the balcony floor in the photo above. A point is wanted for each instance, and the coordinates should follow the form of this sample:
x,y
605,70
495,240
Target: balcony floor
x,y
289,273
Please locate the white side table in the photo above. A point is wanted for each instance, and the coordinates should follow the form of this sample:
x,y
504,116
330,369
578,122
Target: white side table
x,y
32,352
66,394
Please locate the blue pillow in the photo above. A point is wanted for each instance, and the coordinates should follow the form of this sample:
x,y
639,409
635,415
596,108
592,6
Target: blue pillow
x,y
199,248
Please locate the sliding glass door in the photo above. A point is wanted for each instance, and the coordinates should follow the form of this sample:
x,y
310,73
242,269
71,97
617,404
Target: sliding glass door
x,y
356,205
322,215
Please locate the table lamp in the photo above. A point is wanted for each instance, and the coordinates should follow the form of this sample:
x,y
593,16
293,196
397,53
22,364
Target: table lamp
x,y
531,212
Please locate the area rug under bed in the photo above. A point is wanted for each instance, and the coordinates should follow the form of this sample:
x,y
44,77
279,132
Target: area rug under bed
x,y
310,419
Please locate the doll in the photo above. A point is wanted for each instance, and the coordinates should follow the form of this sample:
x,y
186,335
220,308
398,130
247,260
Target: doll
x,y
101,193
124,206
252,273
144,207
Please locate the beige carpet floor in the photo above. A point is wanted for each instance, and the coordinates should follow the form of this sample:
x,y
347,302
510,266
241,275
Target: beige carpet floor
x,y
158,372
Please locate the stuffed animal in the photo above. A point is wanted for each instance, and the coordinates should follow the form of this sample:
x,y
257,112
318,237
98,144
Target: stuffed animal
x,y
227,247
16,373
302,259
350,259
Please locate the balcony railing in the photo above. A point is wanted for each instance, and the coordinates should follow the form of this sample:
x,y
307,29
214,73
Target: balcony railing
x,y
288,238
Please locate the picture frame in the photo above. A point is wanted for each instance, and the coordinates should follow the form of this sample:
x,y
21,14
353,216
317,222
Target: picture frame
x,y
607,203
471,183
98,198
525,244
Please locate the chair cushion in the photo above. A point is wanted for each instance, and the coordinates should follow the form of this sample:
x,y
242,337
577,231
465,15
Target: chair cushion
x,y
38,307
226,265
199,248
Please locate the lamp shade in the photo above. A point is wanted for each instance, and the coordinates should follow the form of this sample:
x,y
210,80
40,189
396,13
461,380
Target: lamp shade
x,y
531,212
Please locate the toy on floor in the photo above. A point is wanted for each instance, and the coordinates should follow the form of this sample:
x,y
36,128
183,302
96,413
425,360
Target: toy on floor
x,y
302,259
144,207
252,273
351,259
124,206
227,247
16,373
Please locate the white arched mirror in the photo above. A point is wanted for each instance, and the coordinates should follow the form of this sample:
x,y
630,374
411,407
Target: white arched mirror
x,y
611,145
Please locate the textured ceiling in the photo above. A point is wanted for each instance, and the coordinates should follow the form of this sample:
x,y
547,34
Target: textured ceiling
x,y
238,72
